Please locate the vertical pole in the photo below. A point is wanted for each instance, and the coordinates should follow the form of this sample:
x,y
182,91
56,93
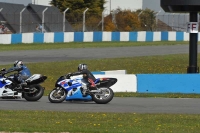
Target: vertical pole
x,y
193,50
110,6
102,20
20,23
139,15
168,22
84,19
43,19
178,21
173,22
157,20
64,19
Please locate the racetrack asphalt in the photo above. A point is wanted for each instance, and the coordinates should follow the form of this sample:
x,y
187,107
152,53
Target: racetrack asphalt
x,y
117,105
28,56
137,105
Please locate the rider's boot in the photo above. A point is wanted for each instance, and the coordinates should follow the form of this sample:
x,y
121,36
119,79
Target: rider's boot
x,y
84,92
84,89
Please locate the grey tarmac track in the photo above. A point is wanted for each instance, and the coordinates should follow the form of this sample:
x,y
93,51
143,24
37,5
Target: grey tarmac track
x,y
134,105
89,53
117,105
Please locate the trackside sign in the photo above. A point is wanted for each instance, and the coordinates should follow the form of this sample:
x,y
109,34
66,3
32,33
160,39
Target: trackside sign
x,y
192,27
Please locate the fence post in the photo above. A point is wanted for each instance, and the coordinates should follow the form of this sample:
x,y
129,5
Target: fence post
x,y
20,29
64,19
103,20
139,15
169,23
84,19
43,19
157,20
173,22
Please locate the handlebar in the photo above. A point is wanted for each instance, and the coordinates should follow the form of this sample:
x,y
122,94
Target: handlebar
x,y
68,75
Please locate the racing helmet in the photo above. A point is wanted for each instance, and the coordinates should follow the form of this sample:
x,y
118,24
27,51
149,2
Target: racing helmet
x,y
82,67
18,63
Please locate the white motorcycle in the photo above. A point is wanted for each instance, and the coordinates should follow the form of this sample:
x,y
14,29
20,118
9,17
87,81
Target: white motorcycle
x,y
10,88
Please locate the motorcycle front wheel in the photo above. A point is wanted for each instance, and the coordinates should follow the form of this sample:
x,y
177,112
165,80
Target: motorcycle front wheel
x,y
35,94
104,97
57,95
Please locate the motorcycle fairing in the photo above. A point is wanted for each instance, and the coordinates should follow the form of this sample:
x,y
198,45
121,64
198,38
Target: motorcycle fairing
x,y
77,95
65,84
2,84
6,92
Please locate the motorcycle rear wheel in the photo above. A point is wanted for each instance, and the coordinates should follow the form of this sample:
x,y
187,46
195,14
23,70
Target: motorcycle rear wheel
x,y
104,97
57,96
36,95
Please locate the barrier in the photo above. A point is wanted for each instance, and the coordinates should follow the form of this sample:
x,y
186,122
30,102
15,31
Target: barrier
x,y
109,72
168,83
125,83
60,37
153,83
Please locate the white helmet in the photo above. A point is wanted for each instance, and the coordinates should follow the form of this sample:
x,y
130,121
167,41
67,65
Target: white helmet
x,y
18,63
82,67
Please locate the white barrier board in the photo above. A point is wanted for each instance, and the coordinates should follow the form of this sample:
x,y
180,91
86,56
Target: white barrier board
x,y
115,72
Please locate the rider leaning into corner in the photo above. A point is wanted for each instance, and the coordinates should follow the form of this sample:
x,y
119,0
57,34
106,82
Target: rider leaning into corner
x,y
88,77
23,72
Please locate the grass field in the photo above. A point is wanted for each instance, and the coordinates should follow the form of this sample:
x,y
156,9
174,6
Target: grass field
x,y
77,122
83,45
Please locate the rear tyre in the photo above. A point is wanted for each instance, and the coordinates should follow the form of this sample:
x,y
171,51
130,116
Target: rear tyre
x,y
35,94
104,97
57,95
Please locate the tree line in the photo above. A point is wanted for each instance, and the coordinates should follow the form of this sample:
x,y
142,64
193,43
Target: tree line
x,y
116,20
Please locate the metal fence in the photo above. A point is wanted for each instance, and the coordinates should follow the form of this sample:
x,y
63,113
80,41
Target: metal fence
x,y
52,22
172,21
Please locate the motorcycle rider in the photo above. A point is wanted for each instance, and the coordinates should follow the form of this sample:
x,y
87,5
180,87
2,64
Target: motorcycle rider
x,y
88,77
23,72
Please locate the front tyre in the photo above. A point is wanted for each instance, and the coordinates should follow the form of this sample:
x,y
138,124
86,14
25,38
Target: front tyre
x,y
35,94
104,97
57,95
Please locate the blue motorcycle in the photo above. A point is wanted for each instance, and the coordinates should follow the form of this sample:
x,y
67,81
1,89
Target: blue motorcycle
x,y
70,89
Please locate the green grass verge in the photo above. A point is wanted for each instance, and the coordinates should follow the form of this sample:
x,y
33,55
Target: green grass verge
x,y
42,46
74,122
